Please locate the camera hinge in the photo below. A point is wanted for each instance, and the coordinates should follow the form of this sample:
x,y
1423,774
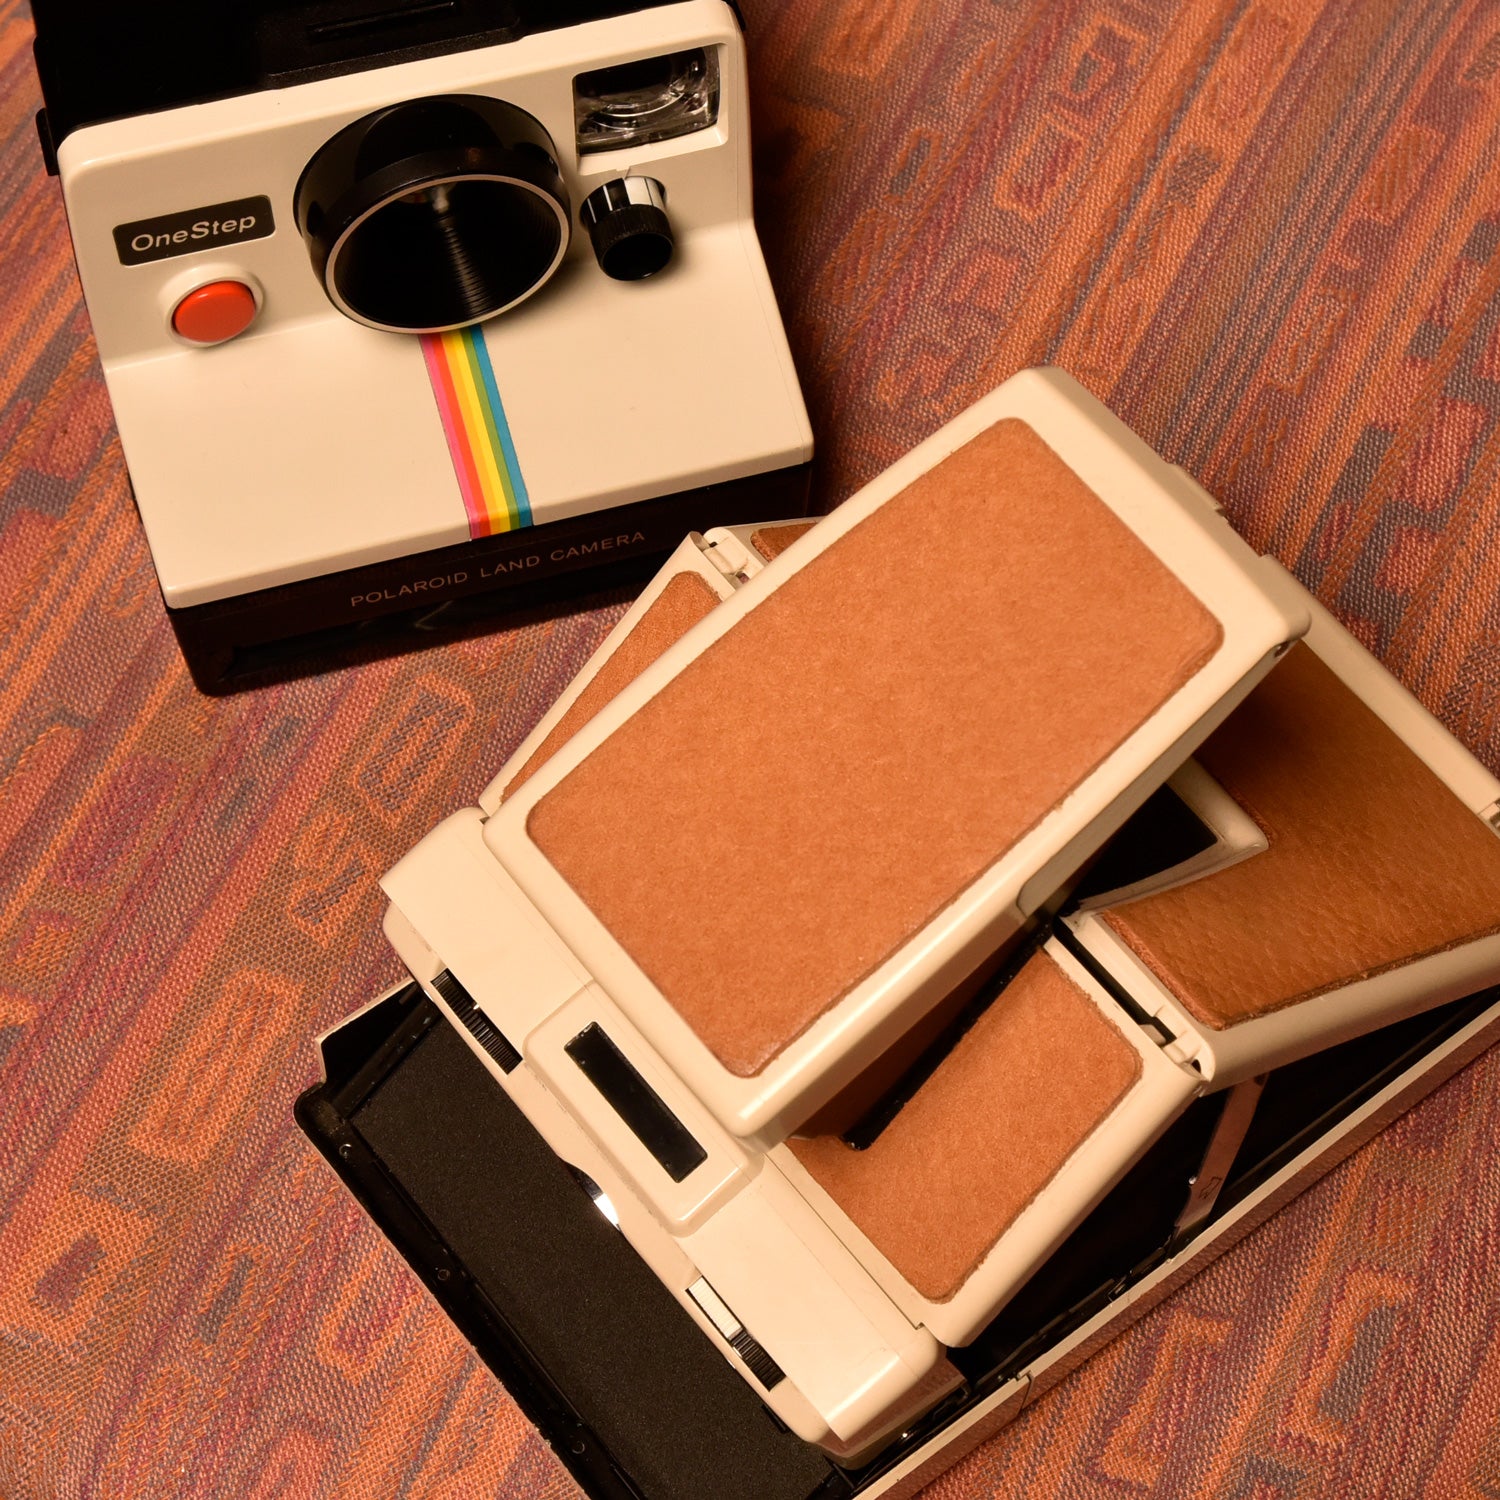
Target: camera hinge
x,y
727,555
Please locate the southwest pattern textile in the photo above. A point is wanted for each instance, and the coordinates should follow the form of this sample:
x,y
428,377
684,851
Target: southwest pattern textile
x,y
1267,232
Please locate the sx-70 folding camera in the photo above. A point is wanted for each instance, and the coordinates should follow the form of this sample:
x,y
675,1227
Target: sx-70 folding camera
x,y
903,918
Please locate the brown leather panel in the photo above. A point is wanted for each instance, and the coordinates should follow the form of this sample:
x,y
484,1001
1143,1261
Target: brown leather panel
x,y
857,749
681,604
772,541
1372,862
1025,1087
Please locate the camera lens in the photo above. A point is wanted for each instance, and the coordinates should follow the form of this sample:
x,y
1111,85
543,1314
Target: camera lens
x,y
449,253
434,214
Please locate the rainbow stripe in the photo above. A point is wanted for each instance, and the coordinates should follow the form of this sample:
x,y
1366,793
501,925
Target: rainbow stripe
x,y
484,458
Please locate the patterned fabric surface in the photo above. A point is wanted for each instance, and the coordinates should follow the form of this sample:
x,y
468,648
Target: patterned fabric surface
x,y
1267,232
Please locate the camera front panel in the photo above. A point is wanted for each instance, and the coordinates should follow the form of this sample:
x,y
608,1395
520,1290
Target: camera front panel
x,y
308,442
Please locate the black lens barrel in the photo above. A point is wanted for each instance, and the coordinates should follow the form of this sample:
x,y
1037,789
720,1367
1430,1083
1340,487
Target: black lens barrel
x,y
434,213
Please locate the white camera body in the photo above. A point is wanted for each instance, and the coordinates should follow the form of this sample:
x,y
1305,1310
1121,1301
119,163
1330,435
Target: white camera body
x,y
312,470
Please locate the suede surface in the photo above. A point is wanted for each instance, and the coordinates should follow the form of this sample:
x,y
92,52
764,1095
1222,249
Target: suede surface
x,y
681,604
897,718
1267,233
995,1123
1371,862
772,541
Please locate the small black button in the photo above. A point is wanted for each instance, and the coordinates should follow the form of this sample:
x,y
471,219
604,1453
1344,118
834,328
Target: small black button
x,y
627,222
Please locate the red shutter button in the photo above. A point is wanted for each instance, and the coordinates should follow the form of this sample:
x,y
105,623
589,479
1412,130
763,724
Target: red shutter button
x,y
214,312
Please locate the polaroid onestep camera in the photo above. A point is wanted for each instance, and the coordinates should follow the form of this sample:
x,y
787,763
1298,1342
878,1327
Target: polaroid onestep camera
x,y
409,310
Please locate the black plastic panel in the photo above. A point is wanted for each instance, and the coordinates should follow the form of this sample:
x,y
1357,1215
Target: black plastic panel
x,y
103,61
636,1102
634,1398
630,1393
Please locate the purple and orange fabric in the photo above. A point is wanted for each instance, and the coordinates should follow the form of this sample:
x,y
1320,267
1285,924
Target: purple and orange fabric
x,y
1266,232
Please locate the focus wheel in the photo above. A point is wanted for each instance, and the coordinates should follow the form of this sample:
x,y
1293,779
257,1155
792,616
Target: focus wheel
x,y
628,226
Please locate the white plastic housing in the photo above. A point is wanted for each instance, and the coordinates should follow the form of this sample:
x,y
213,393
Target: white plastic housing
x,y
311,443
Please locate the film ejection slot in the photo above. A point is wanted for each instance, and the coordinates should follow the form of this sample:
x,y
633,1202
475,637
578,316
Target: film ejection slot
x,y
636,1102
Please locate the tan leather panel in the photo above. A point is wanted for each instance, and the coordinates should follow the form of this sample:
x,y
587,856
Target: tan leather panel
x,y
772,541
856,750
1027,1084
1372,860
681,604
